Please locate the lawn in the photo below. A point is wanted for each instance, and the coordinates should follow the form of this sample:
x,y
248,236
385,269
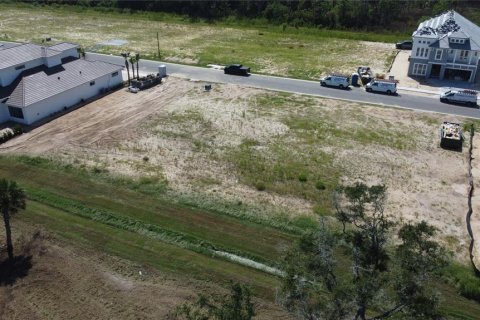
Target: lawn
x,y
299,53
90,194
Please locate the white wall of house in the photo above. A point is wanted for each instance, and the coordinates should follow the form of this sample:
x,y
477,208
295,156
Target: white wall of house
x,y
8,75
53,60
69,53
420,47
4,115
67,98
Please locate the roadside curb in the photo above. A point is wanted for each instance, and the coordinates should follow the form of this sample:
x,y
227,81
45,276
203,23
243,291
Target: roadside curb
x,y
418,90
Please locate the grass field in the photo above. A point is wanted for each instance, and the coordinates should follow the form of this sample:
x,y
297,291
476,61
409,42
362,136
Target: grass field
x,y
300,53
46,186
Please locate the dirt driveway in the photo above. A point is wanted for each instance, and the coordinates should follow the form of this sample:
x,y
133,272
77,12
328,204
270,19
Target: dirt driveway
x,y
105,121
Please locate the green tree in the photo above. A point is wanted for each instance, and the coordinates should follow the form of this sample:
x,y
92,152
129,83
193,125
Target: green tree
x,y
137,59
81,52
236,306
383,278
132,61
12,199
125,55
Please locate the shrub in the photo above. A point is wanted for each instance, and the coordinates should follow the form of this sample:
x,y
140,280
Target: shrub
x,y
17,129
302,177
97,170
320,185
145,159
467,283
260,186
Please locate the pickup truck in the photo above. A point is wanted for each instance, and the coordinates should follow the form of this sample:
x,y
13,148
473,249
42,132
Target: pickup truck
x,y
237,69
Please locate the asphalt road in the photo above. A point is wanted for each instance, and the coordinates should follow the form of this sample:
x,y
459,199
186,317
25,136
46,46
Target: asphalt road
x,y
402,100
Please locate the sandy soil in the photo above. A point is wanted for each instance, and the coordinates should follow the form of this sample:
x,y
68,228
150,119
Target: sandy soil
x,y
71,282
184,131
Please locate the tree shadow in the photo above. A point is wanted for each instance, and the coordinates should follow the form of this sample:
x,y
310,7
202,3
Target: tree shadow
x,y
10,272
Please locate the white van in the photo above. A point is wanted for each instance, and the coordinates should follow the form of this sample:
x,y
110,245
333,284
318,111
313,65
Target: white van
x,y
335,81
468,97
379,85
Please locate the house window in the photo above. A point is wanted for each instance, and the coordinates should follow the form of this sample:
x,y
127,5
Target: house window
x,y
419,69
20,67
114,74
15,112
92,83
422,52
438,54
463,55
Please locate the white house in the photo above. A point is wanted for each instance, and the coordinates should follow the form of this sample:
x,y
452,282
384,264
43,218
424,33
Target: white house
x,y
446,47
37,81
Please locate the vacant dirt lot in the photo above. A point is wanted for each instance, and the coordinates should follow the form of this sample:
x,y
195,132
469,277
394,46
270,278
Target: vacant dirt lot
x,y
231,143
68,281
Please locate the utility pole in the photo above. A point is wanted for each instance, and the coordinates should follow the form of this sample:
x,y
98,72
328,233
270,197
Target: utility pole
x,y
158,46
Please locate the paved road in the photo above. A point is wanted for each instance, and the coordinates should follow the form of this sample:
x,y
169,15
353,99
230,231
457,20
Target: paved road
x,y
402,100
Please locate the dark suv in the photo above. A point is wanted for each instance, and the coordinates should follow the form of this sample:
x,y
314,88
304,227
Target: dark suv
x,y
237,69
404,45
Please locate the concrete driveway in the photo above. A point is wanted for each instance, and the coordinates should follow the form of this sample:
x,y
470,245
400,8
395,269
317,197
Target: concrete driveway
x,y
400,69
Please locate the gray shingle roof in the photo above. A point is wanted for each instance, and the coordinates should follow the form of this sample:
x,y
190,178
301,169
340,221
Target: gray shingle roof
x,y
62,46
7,45
19,54
451,24
50,82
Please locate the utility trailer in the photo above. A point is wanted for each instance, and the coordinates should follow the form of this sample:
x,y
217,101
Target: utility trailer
x,y
147,82
451,136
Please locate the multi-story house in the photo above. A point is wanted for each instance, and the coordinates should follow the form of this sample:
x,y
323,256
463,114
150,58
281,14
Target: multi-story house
x,y
446,47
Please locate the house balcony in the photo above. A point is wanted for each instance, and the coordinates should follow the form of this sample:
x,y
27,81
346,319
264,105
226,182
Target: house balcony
x,y
464,61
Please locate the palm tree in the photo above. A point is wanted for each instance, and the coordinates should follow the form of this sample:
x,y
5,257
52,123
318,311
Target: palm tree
x,y
12,199
137,58
132,61
125,55
81,52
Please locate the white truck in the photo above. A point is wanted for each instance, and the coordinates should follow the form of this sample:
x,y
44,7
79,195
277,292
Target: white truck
x,y
468,97
335,81
382,85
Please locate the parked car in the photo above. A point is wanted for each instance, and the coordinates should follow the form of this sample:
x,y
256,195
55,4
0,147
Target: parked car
x,y
341,82
468,97
237,69
380,85
404,45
